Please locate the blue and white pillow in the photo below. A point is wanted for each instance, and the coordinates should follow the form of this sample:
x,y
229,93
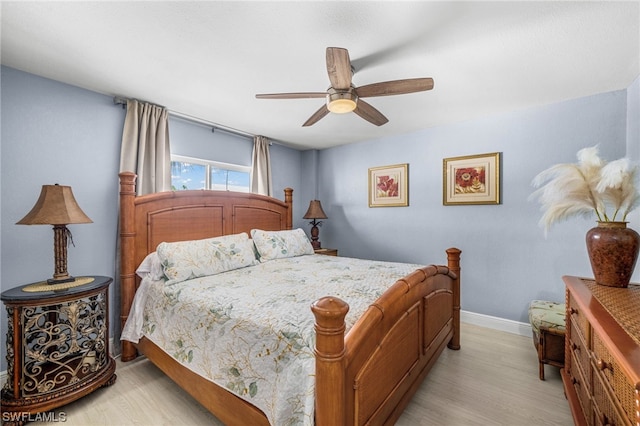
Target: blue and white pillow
x,y
184,260
281,244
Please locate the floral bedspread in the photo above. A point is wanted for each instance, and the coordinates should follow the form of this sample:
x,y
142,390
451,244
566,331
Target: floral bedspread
x,y
251,330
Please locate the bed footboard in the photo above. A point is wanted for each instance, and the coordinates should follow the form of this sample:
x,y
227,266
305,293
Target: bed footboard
x,y
370,375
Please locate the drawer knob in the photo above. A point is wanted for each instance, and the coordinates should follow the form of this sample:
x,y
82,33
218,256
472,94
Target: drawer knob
x,y
575,347
573,311
603,365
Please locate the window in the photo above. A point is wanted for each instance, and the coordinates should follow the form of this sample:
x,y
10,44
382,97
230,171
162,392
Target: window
x,y
195,173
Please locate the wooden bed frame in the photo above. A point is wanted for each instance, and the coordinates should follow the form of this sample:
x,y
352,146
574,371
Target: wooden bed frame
x,y
365,377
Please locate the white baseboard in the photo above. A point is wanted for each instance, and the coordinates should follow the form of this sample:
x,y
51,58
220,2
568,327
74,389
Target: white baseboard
x,y
495,323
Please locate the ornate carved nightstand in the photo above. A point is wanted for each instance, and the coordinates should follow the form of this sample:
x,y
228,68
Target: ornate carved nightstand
x,y
57,345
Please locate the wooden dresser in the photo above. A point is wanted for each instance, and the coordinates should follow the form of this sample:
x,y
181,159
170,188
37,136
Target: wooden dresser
x,y
602,353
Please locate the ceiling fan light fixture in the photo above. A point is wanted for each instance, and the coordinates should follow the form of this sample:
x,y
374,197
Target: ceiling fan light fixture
x,y
343,96
341,102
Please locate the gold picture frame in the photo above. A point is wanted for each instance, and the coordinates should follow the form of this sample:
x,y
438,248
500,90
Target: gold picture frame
x,y
471,179
389,186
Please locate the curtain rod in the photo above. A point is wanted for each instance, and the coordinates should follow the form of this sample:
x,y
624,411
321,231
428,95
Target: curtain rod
x,y
214,126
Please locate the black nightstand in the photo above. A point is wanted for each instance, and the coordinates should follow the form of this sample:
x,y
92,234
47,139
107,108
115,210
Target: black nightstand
x,y
57,345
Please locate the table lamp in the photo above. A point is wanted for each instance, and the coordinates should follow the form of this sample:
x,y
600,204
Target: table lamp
x,y
57,206
315,212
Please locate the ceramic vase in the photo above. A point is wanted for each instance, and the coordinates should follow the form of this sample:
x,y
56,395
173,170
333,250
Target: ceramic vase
x,y
613,251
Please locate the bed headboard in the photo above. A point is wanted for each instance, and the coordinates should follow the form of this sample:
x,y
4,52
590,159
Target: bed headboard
x,y
146,221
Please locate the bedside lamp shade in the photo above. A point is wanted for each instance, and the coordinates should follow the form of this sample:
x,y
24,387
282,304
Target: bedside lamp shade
x,y
56,206
315,212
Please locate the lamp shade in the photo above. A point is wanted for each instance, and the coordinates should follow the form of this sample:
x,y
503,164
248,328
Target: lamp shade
x,y
55,206
315,211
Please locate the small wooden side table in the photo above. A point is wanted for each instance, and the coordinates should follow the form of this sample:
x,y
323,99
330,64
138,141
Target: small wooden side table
x,y
57,345
327,251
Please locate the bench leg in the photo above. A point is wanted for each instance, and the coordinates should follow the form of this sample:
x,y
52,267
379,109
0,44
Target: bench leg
x,y
540,358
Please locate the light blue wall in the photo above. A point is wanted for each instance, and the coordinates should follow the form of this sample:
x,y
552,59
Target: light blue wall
x,y
56,133
286,165
309,187
633,120
506,259
633,146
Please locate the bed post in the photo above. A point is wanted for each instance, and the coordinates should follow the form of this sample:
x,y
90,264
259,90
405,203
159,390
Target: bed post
x,y
330,369
127,248
453,262
288,199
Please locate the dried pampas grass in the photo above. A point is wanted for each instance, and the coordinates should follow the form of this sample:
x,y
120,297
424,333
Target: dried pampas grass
x,y
591,185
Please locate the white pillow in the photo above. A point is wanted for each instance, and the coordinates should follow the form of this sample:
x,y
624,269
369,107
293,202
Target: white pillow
x,y
281,244
151,266
191,259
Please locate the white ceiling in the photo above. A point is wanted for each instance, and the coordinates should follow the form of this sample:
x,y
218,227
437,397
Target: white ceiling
x,y
209,59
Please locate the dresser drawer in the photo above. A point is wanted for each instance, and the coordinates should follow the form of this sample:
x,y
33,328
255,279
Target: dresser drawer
x,y
581,386
579,351
610,373
606,410
579,319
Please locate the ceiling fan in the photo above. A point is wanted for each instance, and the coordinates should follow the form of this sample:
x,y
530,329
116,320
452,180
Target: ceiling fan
x,y
343,96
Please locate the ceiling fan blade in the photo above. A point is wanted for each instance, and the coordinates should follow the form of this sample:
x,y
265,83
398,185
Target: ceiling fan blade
x,y
370,114
319,114
339,68
395,87
300,95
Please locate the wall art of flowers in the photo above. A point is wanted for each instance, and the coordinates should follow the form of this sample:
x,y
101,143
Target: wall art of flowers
x,y
388,186
471,179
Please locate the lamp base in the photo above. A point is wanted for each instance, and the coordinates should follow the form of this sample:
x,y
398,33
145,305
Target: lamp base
x,y
315,232
68,279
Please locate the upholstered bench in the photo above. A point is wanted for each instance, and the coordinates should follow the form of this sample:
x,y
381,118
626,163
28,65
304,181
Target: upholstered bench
x,y
548,324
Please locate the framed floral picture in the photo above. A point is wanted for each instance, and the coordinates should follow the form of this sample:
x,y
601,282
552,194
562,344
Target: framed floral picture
x,y
389,186
472,179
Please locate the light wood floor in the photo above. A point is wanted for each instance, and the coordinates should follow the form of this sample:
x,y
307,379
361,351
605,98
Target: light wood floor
x,y
492,380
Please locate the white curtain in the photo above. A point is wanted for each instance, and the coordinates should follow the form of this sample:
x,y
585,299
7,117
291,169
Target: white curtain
x,y
145,147
261,167
144,151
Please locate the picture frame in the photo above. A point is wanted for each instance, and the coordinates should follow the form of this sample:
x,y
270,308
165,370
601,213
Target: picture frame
x,y
471,179
389,186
